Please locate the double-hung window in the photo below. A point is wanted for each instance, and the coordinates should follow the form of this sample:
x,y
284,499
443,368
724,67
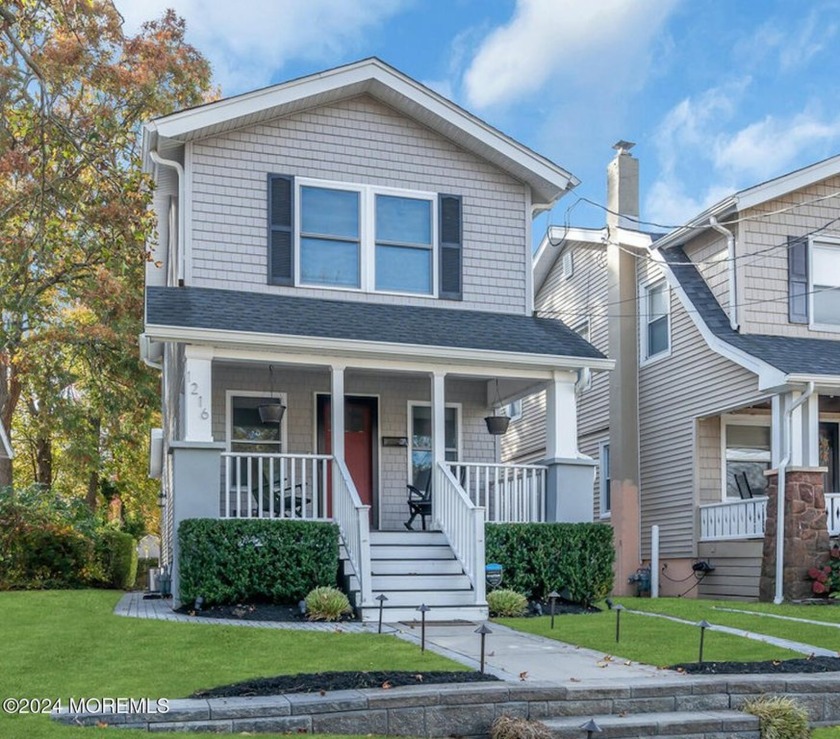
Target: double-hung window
x,y
825,283
420,436
364,237
747,455
655,328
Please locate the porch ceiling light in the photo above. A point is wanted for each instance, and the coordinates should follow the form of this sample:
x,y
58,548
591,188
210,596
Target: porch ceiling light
x,y
271,412
497,425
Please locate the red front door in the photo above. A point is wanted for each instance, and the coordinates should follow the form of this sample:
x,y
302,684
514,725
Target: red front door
x,y
360,418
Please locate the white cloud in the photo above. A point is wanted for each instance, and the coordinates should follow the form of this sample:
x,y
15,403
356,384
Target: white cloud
x,y
791,45
698,141
607,44
249,40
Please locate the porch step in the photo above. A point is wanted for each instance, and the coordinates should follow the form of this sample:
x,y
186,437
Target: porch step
x,y
415,567
683,724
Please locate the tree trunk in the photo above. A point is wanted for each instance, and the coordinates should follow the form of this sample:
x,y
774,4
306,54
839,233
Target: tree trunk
x,y
9,395
92,496
43,460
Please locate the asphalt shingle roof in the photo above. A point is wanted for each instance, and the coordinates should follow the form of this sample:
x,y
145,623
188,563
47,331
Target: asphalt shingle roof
x,y
228,310
791,355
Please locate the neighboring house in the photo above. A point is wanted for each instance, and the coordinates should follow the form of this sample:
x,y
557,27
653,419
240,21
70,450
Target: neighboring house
x,y
5,444
725,336
355,248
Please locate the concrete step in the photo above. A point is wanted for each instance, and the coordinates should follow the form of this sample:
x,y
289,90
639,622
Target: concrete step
x,y
440,613
682,724
392,583
415,567
408,538
421,551
434,599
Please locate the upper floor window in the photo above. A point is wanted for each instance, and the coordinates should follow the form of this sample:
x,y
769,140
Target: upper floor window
x,y
655,307
825,283
364,238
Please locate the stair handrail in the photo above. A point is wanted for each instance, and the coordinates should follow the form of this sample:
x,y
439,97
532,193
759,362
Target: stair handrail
x,y
462,522
353,519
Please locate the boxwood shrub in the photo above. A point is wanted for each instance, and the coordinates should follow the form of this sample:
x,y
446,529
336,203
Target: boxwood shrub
x,y
541,557
235,561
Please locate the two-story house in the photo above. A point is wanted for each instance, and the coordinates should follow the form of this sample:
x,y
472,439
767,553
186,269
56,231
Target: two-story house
x,y
341,292
723,407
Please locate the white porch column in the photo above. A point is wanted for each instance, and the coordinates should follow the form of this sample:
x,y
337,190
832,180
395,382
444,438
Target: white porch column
x,y
571,476
778,404
804,431
561,416
438,403
810,419
198,390
337,410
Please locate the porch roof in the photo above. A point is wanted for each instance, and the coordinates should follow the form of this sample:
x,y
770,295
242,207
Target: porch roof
x,y
372,323
791,355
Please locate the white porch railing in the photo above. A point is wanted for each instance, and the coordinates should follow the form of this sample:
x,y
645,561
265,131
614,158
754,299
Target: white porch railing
x,y
275,485
509,493
744,519
353,519
462,521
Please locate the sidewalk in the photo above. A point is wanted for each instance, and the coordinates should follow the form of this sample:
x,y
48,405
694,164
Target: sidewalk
x,y
515,656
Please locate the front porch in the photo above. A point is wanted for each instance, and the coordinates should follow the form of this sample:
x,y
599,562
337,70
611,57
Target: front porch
x,y
350,461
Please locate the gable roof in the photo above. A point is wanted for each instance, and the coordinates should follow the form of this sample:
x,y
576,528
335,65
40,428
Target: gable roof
x,y
796,358
373,77
752,196
364,325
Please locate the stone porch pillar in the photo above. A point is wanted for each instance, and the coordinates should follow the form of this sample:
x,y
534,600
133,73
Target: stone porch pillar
x,y
806,532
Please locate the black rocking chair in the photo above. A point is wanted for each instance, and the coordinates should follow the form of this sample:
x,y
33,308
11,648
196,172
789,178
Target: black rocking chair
x,y
420,499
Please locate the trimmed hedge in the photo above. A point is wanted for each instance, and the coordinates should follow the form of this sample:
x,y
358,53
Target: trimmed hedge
x,y
116,552
235,561
541,557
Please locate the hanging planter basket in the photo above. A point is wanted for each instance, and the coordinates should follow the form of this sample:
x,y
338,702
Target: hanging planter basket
x,y
272,412
497,425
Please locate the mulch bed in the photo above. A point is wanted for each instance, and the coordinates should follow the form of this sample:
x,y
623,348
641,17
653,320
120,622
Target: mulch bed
x,y
250,612
324,682
807,664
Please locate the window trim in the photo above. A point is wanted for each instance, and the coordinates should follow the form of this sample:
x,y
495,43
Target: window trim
x,y
739,419
231,394
603,511
367,234
410,447
514,409
645,289
831,241
584,325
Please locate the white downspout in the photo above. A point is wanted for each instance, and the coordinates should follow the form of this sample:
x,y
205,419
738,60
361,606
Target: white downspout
x,y
730,258
179,170
787,430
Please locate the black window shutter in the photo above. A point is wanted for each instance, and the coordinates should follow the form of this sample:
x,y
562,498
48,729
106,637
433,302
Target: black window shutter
x,y
451,247
280,232
797,280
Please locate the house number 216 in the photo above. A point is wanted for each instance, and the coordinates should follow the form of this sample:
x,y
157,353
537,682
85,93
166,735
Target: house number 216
x,y
205,414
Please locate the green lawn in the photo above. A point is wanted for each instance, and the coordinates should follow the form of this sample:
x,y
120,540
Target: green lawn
x,y
653,641
63,644
829,733
692,609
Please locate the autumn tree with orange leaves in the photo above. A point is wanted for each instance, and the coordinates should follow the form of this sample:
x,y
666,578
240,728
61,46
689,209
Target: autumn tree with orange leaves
x,y
75,231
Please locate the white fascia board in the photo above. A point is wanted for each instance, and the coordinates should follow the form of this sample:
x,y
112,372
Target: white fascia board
x,y
698,224
790,182
418,354
821,381
362,74
768,375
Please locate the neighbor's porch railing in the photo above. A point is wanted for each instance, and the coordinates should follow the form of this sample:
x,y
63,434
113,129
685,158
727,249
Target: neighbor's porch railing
x,y
744,519
353,519
275,485
509,493
463,524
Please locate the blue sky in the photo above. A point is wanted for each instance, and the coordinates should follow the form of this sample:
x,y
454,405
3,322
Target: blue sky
x,y
718,95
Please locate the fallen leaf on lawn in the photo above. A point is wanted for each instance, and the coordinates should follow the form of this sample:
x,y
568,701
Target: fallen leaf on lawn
x,y
386,685
418,677
628,662
523,675
602,664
